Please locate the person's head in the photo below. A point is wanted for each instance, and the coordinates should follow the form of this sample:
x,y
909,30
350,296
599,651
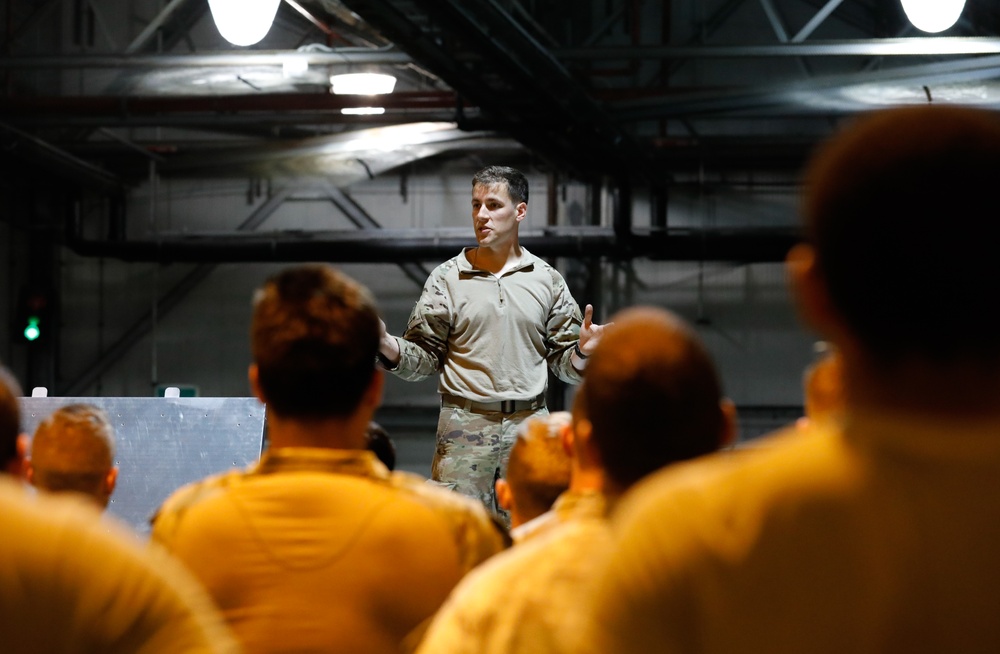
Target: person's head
x,y
73,450
538,470
506,179
651,397
902,231
12,442
314,337
380,443
499,204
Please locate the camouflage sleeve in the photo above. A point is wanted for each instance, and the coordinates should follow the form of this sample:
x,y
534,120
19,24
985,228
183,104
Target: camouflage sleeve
x,y
424,345
562,331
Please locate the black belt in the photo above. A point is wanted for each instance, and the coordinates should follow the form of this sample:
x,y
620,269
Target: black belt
x,y
502,406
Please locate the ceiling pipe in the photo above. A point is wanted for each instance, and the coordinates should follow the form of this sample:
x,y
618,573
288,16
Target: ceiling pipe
x,y
110,106
392,246
26,148
237,59
894,47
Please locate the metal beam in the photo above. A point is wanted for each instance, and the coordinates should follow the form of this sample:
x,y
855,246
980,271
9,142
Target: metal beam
x,y
892,47
743,99
772,17
131,145
362,220
816,21
39,12
389,246
489,58
277,58
15,144
144,37
102,24
323,27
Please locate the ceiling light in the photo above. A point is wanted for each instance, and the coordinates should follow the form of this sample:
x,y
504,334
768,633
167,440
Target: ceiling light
x,y
362,111
362,84
294,67
933,15
243,22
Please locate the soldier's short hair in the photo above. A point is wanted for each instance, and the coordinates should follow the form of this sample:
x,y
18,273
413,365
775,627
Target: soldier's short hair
x,y
513,179
314,336
538,470
651,393
73,449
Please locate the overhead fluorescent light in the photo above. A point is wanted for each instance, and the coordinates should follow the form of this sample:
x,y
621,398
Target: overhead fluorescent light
x,y
933,15
362,111
243,22
362,84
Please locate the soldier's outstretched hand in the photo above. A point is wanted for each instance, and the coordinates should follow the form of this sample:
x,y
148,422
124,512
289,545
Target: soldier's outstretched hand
x,y
590,333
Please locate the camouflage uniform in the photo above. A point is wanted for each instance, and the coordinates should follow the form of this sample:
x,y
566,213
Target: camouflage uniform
x,y
472,451
492,339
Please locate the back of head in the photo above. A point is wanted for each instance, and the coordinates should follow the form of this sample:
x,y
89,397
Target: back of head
x,y
651,394
901,211
539,467
73,450
513,179
314,337
10,417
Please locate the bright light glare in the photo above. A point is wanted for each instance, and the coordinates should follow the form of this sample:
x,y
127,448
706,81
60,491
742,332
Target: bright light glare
x,y
933,15
32,331
362,111
362,84
243,22
294,67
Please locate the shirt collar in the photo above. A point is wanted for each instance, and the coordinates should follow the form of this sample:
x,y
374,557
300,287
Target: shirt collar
x,y
527,260
361,463
583,504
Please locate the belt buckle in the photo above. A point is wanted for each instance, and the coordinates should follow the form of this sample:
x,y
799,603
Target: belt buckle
x,y
507,406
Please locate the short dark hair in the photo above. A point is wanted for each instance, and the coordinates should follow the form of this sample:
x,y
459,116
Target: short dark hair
x,y
902,212
651,393
10,416
514,180
314,336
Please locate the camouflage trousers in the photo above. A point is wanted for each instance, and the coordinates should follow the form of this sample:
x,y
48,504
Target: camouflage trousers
x,y
473,449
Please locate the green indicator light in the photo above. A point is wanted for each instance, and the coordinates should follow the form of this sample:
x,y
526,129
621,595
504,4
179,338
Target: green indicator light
x,y
32,331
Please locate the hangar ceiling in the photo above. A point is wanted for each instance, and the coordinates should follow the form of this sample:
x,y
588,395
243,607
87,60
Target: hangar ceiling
x,y
635,94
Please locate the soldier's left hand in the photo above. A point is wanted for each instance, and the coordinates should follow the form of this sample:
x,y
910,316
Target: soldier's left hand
x,y
590,333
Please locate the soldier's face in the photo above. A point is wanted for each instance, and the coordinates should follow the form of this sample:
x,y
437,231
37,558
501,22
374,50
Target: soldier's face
x,y
494,214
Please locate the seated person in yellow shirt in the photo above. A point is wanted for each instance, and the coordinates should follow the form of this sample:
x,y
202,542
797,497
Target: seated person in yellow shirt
x,y
318,547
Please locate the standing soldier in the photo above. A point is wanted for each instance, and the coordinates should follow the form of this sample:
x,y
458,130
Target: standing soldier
x,y
490,320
